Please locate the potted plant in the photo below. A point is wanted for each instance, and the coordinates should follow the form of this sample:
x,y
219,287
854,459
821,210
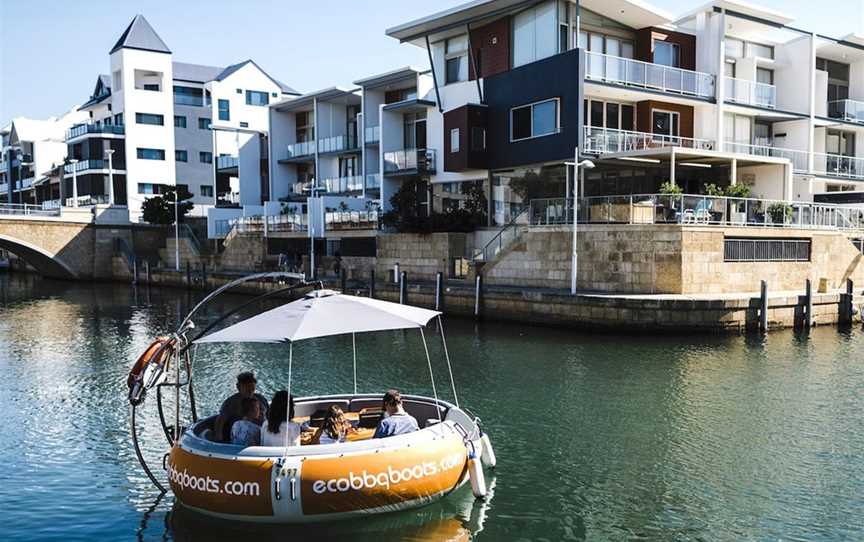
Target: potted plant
x,y
738,209
672,202
780,212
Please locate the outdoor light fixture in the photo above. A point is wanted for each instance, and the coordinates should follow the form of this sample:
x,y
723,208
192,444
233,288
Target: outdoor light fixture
x,y
695,164
637,159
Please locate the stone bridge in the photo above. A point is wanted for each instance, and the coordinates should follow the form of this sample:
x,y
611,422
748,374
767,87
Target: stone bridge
x,y
71,245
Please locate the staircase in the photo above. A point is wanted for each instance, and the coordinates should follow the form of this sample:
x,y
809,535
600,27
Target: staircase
x,y
190,249
500,242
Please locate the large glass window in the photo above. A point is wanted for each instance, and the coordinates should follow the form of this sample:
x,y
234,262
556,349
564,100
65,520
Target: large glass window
x,y
534,120
456,59
764,75
205,157
151,154
224,110
179,121
666,54
203,123
255,97
535,34
513,190
188,96
181,156
665,123
149,118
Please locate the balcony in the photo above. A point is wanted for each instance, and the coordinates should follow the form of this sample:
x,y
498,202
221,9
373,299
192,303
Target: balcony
x,y
352,220
607,140
372,135
798,158
227,162
743,91
847,110
301,150
86,129
88,200
373,180
343,185
836,165
635,73
339,143
84,165
410,162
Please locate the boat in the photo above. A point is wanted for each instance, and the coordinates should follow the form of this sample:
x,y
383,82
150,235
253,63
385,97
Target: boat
x,y
309,483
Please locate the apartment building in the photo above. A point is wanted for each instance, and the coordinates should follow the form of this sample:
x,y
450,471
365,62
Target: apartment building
x,y
728,93
30,151
155,123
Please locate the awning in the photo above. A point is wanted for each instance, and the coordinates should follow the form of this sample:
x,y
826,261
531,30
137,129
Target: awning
x,y
322,313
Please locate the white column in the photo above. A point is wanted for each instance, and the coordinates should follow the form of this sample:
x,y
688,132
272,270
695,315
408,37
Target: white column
x,y
110,153
811,129
74,186
787,182
672,167
720,82
733,172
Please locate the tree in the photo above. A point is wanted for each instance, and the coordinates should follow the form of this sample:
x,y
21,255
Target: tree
x,y
160,209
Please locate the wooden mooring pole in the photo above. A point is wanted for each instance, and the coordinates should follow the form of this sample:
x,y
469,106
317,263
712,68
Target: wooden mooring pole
x,y
372,284
478,288
403,283
439,290
808,305
763,307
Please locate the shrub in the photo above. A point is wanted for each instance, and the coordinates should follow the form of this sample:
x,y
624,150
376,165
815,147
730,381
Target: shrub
x,y
780,213
160,209
738,191
669,188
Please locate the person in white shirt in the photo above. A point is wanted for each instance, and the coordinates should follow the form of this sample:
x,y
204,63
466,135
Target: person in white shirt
x,y
335,427
278,429
245,431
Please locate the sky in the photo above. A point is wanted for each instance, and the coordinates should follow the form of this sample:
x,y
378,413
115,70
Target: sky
x,y
52,51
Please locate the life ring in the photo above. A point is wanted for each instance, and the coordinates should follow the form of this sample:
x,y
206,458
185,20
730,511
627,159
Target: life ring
x,y
149,370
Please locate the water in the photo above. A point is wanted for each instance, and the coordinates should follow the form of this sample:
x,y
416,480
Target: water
x,y
599,437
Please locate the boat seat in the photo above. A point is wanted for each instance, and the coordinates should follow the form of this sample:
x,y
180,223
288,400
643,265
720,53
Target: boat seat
x,y
423,411
366,402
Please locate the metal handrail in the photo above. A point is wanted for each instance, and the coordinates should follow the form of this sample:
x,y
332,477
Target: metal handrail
x,y
483,253
635,73
188,233
27,209
751,92
848,110
601,140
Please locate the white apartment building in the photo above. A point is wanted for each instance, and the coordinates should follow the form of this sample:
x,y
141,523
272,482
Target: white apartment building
x,y
169,123
30,150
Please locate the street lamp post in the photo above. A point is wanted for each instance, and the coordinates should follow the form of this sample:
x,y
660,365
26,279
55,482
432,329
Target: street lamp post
x,y
74,161
587,164
312,191
177,230
109,153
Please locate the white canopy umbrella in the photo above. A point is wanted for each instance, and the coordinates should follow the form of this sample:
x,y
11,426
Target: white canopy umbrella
x,y
322,313
325,313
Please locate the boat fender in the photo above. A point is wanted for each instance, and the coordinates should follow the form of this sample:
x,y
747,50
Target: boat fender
x,y
475,474
487,454
149,370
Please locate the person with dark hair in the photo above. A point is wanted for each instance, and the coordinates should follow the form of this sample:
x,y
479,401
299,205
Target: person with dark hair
x,y
232,408
279,429
245,431
335,427
396,420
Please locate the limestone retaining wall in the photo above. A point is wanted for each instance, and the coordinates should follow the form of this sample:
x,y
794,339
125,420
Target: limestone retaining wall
x,y
421,256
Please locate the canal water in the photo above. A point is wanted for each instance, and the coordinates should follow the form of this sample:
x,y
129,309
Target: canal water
x,y
598,436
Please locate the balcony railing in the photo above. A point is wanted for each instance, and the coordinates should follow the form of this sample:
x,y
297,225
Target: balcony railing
x,y
848,110
799,159
838,166
352,220
696,210
747,92
408,161
227,162
50,205
88,200
337,143
373,134
343,185
26,209
373,180
82,129
299,150
84,165
635,73
607,140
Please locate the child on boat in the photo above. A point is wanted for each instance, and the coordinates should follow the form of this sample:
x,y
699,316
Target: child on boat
x,y
246,432
335,427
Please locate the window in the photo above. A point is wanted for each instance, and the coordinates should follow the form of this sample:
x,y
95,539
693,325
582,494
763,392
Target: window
x,y
203,123
244,125
764,75
666,54
107,121
188,96
224,110
535,34
150,188
179,121
734,48
478,138
534,120
454,140
151,154
456,59
275,94
665,123
205,157
181,156
206,191
151,86
239,91
563,26
254,97
149,118
118,119
757,50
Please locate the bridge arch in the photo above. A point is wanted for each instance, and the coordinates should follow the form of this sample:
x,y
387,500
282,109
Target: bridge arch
x,y
43,261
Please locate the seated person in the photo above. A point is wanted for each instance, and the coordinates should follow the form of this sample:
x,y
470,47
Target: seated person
x,y
396,421
231,410
279,430
335,427
246,431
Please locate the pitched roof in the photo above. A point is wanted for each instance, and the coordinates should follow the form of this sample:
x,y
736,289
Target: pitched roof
x,y
140,35
234,67
196,73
